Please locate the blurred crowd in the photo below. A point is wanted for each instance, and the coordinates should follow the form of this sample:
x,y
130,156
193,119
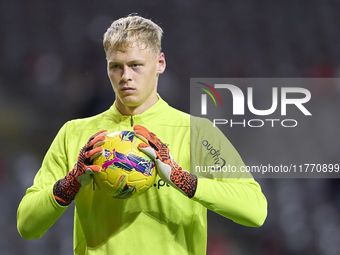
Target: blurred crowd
x,y
53,69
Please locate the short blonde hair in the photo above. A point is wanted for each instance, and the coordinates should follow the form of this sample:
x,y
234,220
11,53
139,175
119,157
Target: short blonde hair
x,y
124,32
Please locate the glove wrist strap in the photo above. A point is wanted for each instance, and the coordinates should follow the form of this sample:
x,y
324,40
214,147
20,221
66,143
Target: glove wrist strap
x,y
185,181
66,189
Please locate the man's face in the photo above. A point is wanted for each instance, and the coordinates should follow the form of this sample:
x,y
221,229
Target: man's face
x,y
134,76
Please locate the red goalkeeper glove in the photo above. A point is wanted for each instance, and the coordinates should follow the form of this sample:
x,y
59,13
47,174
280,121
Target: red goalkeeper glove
x,y
66,189
168,169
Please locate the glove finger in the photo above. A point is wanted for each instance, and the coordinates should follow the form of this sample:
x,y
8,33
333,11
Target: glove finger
x,y
142,138
93,169
143,145
98,141
100,138
140,129
103,132
95,152
148,150
142,132
148,136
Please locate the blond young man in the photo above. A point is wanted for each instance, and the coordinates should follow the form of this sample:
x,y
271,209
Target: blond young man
x,y
167,219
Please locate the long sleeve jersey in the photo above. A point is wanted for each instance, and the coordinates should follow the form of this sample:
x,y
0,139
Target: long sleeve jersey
x,y
160,221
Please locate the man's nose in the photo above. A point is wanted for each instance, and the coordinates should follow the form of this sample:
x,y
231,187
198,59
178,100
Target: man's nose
x,y
126,76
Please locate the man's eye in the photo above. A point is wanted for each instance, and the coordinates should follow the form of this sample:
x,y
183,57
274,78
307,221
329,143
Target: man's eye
x,y
113,66
135,65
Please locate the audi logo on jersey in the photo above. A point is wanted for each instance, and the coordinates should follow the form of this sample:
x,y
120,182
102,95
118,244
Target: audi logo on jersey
x,y
218,160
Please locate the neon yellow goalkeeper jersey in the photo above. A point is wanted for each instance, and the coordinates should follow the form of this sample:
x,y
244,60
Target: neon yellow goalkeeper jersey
x,y
160,221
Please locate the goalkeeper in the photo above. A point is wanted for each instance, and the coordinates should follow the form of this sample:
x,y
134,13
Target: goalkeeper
x,y
165,220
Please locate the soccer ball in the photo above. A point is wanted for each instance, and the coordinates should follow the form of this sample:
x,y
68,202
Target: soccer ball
x,y
126,171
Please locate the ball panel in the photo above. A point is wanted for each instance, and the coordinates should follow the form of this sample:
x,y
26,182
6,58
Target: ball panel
x,y
126,171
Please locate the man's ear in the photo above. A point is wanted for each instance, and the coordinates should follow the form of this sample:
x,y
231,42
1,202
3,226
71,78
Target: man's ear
x,y
161,63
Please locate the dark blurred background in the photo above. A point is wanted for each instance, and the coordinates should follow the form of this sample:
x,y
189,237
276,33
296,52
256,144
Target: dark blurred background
x,y
53,69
